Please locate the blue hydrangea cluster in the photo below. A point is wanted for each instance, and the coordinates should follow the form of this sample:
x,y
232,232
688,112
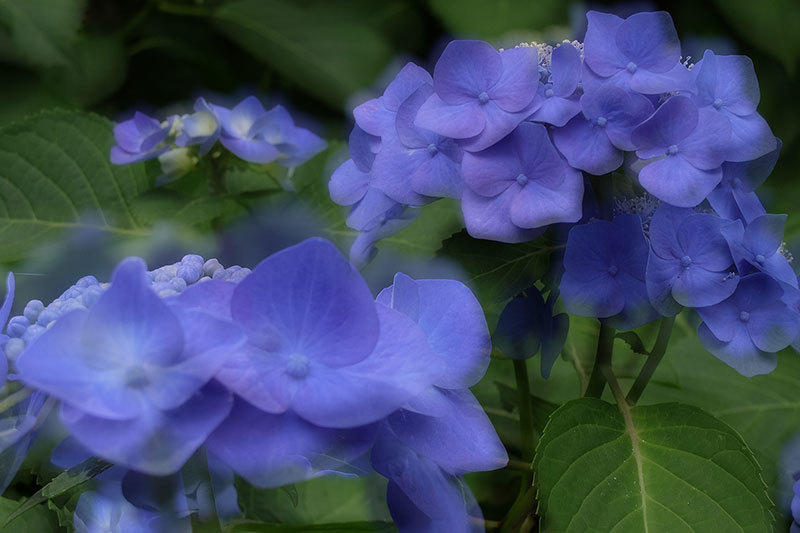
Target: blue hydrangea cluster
x,y
247,130
511,132
279,375
795,528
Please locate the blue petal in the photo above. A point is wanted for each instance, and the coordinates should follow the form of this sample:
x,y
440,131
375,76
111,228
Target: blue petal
x,y
348,183
649,40
371,211
565,69
309,300
751,138
521,326
490,218
587,146
394,165
457,121
661,276
465,69
676,181
600,49
739,353
252,150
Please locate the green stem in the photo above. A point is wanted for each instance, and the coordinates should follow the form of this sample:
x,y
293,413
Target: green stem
x,y
182,9
522,509
605,349
14,398
525,419
655,357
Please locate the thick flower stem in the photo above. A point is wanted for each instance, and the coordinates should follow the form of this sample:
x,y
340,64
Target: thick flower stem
x,y
605,348
14,398
655,357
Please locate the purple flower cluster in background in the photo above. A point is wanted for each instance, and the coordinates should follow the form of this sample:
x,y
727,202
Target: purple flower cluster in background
x,y
514,133
247,130
286,373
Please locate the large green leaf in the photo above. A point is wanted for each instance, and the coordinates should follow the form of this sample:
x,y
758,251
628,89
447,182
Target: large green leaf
x,y
666,467
39,32
55,175
40,520
479,18
324,52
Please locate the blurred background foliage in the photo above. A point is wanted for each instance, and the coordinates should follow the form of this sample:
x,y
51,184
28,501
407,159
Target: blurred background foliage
x,y
321,58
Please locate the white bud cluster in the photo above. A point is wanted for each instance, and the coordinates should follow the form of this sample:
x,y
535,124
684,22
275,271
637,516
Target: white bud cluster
x,y
166,281
784,251
644,205
545,50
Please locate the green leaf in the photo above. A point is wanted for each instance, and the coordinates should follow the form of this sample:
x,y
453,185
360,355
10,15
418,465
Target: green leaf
x,y
40,520
666,467
39,32
498,270
324,53
63,482
771,26
342,527
633,341
55,175
479,18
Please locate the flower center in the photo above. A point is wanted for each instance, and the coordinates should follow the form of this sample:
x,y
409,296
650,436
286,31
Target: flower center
x,y
631,67
760,259
548,92
672,150
483,98
136,377
522,180
601,121
613,270
686,261
744,316
297,366
717,103
432,149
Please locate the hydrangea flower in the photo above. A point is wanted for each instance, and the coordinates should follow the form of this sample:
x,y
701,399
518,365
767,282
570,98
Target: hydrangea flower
x,y
201,127
728,85
414,164
139,139
641,52
560,100
242,131
319,346
295,145
396,218
351,184
108,510
757,246
521,183
377,116
735,197
690,145
480,94
690,262
747,329
527,324
595,140
795,528
137,393
604,272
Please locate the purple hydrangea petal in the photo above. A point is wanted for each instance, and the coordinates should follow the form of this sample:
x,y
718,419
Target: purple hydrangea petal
x,y
600,50
698,287
516,88
751,138
676,181
700,238
637,310
348,183
587,146
661,275
707,146
410,78
244,120
599,296
460,441
251,150
130,322
371,211
679,78
620,110
259,377
664,226
301,146
466,69
556,110
489,218
463,515
453,322
310,300
439,177
649,40
565,69
246,441
408,133
537,205
779,268
749,175
373,117
492,171
157,445
499,123
393,167
370,390
739,352
457,121
773,326
763,236
673,122
212,297
363,147
727,81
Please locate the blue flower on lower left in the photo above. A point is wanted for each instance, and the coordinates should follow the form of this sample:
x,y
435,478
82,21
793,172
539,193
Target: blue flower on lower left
x,y
133,374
